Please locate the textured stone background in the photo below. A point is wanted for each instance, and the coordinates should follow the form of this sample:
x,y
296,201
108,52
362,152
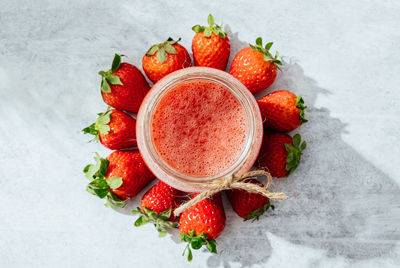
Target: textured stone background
x,y
344,205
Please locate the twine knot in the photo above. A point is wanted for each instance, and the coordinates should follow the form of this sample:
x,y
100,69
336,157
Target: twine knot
x,y
226,182
234,182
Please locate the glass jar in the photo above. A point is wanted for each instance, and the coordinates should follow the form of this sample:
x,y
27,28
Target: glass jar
x,y
159,167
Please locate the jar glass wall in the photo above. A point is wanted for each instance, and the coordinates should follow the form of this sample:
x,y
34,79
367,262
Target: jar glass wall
x,y
164,171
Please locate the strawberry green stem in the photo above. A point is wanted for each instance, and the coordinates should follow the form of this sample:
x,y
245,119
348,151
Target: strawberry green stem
x,y
265,51
162,49
295,152
212,28
101,186
196,242
255,214
108,78
160,220
302,107
101,125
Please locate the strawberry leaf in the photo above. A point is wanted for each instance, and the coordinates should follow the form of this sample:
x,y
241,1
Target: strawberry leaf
x,y
101,193
139,211
170,49
105,87
198,29
268,58
89,171
114,80
255,214
303,146
288,147
212,246
161,231
210,20
259,41
162,55
104,129
184,237
295,152
108,77
140,221
196,242
114,182
116,62
114,201
254,47
152,50
90,130
103,73
160,221
171,224
268,45
221,33
190,255
102,122
296,140
265,51
162,49
212,28
278,62
97,170
207,32
302,107
99,185
165,214
103,167
90,189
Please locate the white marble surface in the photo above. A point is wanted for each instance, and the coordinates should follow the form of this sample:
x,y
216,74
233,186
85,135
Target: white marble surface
x,y
344,205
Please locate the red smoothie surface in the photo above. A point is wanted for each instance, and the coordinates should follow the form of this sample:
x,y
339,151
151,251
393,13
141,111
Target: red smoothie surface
x,y
199,128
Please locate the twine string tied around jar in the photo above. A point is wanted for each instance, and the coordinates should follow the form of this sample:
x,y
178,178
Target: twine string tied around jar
x,y
234,182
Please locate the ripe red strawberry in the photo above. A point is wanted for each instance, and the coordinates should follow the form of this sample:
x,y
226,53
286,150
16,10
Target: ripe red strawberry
x,y
282,110
202,223
280,154
255,67
115,130
123,86
157,206
164,58
249,205
210,45
119,177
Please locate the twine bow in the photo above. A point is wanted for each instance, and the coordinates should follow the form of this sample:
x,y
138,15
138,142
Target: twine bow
x,y
234,182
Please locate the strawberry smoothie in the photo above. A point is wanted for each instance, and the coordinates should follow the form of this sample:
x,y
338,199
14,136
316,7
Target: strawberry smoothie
x,y
199,128
197,125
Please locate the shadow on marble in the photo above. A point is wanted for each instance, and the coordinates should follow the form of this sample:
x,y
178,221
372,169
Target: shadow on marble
x,y
338,201
335,198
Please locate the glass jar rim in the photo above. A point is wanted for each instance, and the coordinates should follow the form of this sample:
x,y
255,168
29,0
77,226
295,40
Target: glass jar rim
x,y
144,134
